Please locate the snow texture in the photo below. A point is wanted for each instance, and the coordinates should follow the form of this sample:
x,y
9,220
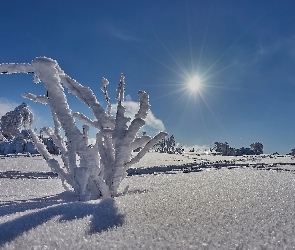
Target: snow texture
x,y
226,208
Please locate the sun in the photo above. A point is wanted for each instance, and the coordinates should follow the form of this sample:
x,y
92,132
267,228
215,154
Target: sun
x,y
194,83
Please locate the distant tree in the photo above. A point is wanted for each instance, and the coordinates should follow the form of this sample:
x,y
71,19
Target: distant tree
x,y
292,152
221,147
168,146
224,149
171,143
160,146
257,148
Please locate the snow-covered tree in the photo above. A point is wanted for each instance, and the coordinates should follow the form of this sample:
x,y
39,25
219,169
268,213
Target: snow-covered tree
x,y
257,148
168,146
161,146
221,147
14,121
224,148
100,169
292,152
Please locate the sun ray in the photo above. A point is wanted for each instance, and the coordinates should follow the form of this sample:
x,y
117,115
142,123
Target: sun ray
x,y
178,63
193,86
204,39
189,38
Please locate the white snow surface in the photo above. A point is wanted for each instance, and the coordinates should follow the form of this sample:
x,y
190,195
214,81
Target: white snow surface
x,y
225,206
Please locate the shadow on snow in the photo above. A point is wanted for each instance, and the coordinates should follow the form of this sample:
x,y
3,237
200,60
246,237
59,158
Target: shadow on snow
x,y
104,215
27,175
198,167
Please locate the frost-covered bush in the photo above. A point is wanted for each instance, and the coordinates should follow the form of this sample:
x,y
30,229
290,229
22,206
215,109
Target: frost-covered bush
x,y
92,172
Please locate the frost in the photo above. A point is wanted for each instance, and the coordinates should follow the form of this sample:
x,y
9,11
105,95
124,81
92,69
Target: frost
x,y
100,169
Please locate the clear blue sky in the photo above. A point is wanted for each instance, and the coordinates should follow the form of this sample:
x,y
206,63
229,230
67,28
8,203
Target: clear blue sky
x,y
244,51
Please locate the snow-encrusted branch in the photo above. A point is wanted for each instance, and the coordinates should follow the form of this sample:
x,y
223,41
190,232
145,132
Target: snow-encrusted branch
x,y
144,105
105,82
145,149
14,68
121,89
52,163
139,142
83,118
43,99
85,95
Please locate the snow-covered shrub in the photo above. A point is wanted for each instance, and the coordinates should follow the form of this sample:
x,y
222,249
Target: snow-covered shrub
x,y
101,168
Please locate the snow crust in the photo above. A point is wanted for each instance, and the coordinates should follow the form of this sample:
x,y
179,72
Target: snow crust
x,y
226,208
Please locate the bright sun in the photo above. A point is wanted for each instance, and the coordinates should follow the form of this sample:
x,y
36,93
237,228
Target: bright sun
x,y
194,83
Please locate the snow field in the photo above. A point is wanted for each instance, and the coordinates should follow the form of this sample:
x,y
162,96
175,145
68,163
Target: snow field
x,y
224,209
239,208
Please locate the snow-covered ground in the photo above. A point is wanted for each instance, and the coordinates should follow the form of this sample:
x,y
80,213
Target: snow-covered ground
x,y
185,201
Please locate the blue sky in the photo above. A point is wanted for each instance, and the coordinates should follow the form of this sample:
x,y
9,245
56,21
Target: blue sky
x,y
244,52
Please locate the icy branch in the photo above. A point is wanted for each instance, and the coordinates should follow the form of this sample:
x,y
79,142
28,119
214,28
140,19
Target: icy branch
x,y
144,105
40,98
121,89
140,142
105,82
83,118
13,68
146,148
85,95
52,163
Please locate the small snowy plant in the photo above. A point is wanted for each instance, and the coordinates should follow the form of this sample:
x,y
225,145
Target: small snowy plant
x,y
101,168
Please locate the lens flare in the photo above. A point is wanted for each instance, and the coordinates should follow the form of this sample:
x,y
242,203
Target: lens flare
x,y
194,83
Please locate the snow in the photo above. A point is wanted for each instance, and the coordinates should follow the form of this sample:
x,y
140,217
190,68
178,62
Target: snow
x,y
213,208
